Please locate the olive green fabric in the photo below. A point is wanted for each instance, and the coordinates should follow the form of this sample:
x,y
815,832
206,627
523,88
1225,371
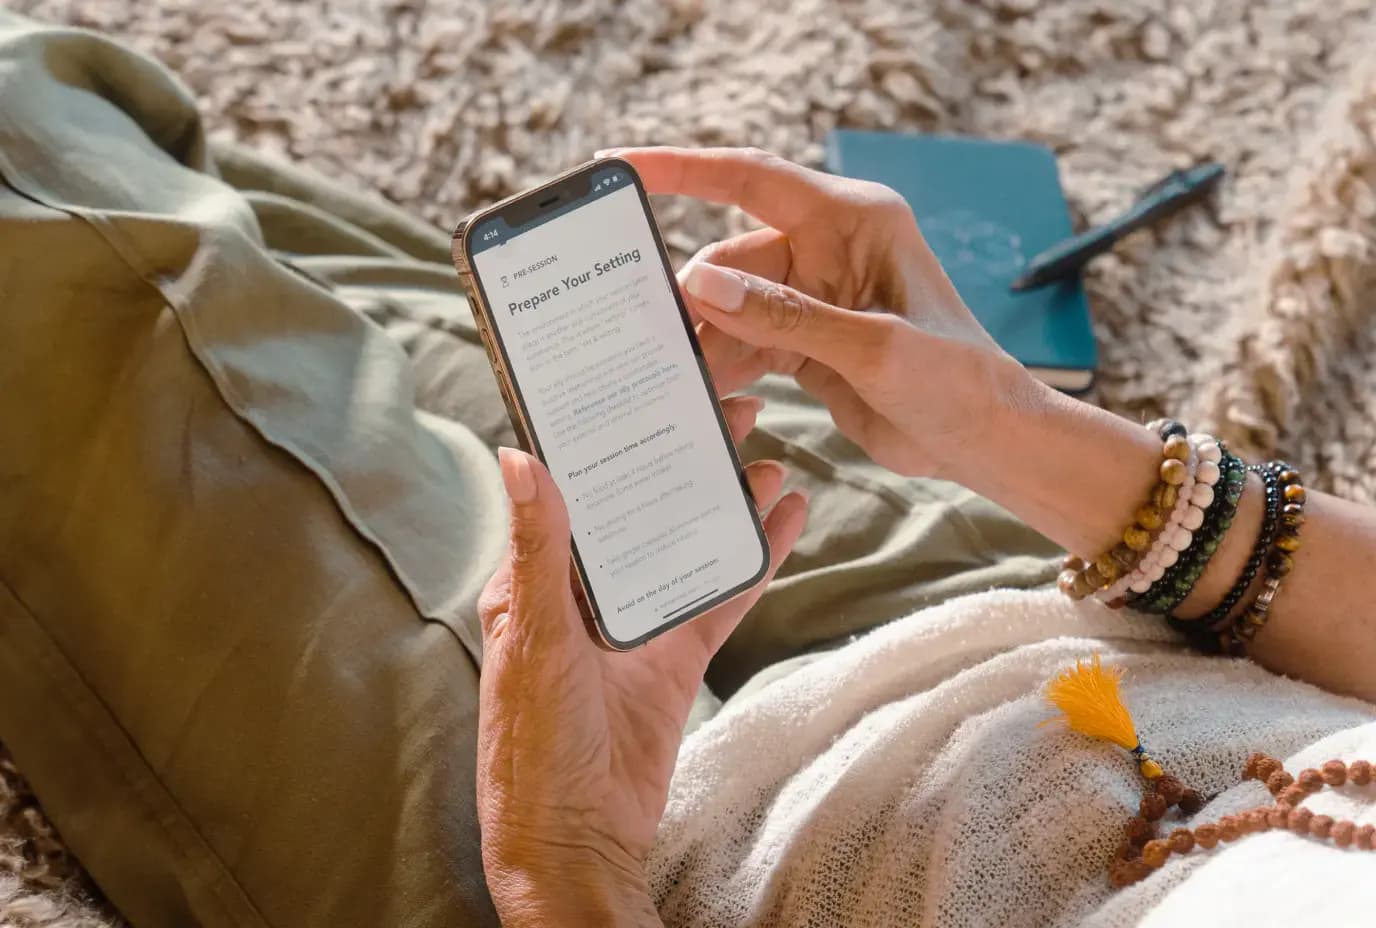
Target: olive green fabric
x,y
237,568
248,499
878,546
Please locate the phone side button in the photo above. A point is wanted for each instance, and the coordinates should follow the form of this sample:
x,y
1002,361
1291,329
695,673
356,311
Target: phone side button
x,y
489,345
508,393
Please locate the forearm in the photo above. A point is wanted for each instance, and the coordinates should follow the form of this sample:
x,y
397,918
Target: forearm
x,y
1077,474
1323,621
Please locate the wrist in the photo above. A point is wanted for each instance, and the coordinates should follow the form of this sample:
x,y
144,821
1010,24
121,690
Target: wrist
x,y
535,883
1012,398
1071,471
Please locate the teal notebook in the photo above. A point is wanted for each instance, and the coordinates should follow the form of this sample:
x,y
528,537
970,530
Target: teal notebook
x,y
987,208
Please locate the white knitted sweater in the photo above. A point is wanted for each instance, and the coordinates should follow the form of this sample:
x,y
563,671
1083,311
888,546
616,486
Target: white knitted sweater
x,y
904,780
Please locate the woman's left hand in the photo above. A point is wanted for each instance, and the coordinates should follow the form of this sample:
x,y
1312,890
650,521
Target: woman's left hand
x,y
576,744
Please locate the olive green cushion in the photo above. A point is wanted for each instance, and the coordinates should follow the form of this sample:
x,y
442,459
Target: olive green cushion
x,y
237,567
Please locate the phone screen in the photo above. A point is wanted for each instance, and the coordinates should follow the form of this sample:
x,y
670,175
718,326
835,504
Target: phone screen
x,y
610,378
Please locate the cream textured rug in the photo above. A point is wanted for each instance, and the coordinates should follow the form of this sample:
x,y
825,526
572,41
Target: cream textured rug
x,y
1255,317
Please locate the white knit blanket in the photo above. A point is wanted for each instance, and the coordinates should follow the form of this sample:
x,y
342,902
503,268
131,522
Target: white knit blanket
x,y
904,780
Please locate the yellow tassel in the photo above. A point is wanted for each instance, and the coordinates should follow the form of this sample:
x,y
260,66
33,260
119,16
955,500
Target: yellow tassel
x,y
1090,704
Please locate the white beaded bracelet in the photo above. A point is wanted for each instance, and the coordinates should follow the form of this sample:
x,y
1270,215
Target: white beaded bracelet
x,y
1194,496
1162,553
1186,518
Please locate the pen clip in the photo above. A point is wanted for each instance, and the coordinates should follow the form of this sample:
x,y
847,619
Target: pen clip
x,y
1193,182
1174,177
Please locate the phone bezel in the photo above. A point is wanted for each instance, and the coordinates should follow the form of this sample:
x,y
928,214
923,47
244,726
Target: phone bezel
x,y
528,206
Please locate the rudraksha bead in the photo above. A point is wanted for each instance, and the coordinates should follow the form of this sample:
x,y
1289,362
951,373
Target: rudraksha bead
x,y
1154,854
1126,872
1292,795
1139,831
1278,781
1310,780
1321,825
1207,836
1169,788
1152,807
1334,773
1181,841
1191,801
1343,833
1299,820
1359,772
1121,873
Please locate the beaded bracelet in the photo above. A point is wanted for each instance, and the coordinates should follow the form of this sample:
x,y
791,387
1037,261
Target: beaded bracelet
x,y
1185,516
1160,521
1204,632
1265,535
1177,582
1279,562
1196,495
1080,578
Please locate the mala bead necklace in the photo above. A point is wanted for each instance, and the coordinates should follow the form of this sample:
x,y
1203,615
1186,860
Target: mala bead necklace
x,y
1089,701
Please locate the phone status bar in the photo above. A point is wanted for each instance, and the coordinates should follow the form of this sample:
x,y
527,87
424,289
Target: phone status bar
x,y
495,231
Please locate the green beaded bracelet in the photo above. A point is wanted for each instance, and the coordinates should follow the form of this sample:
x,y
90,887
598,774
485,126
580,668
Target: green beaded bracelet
x,y
1176,584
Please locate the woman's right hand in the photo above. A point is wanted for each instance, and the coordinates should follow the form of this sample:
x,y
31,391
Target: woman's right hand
x,y
842,293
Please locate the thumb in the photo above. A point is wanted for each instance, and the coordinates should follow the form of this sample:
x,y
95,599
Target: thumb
x,y
771,315
539,553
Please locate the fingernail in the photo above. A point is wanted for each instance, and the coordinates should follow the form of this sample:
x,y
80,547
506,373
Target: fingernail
x,y
605,152
756,402
717,286
517,475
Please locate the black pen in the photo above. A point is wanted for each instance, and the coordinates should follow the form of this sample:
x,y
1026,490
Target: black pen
x,y
1171,193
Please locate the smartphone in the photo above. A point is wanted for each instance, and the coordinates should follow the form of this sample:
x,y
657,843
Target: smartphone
x,y
605,382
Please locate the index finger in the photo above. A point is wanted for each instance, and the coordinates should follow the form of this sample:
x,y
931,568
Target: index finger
x,y
777,192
